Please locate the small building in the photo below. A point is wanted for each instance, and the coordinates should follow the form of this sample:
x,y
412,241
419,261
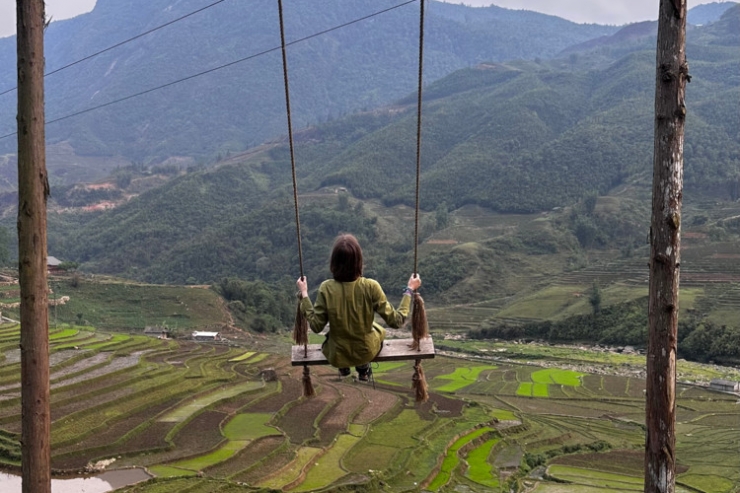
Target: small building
x,y
53,265
724,385
206,336
157,331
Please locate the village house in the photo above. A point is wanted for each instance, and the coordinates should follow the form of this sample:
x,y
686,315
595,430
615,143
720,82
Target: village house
x,y
206,336
157,331
724,385
53,265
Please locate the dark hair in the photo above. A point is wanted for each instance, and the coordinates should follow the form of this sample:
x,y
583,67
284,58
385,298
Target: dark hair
x,y
346,259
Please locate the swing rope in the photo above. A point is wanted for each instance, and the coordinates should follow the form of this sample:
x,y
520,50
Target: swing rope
x,y
419,326
300,328
418,136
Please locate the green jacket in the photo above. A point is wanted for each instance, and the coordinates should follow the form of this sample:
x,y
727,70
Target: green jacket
x,y
349,308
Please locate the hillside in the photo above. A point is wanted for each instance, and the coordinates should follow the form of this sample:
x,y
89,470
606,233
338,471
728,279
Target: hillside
x,y
520,137
360,66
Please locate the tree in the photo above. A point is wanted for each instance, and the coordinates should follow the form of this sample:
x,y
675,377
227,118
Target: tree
x,y
586,231
595,298
665,247
4,246
33,191
68,265
442,216
589,202
343,201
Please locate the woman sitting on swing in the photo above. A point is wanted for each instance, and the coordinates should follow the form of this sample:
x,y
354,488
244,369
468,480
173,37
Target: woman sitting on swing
x,y
349,303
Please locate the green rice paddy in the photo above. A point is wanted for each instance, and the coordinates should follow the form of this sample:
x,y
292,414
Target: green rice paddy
x,y
503,415
461,378
480,469
452,459
203,461
707,482
291,473
328,467
258,358
190,408
557,377
249,426
542,379
598,479
62,334
242,357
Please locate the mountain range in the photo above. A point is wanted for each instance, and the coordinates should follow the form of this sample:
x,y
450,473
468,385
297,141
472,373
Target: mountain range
x,y
359,66
515,137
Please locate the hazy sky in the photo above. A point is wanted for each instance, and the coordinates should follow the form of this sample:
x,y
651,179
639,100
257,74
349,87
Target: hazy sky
x,y
598,11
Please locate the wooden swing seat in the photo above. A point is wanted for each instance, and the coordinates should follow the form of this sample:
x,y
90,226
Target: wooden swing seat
x,y
393,350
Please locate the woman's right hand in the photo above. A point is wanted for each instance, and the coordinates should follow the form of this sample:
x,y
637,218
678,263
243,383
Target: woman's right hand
x,y
414,282
302,285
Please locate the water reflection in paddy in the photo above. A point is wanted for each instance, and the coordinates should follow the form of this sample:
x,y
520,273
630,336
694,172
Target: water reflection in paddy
x,y
102,483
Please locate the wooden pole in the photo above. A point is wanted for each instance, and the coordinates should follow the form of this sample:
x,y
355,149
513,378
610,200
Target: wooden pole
x,y
33,189
665,240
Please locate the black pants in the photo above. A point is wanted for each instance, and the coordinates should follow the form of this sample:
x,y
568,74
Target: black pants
x,y
361,370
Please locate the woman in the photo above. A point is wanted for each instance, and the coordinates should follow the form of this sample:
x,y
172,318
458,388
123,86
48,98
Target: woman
x,y
349,303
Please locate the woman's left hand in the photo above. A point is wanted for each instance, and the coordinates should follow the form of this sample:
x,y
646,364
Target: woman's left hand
x,y
302,285
414,282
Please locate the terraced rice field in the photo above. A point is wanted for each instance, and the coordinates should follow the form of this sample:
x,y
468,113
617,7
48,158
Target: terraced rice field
x,y
548,381
202,418
710,272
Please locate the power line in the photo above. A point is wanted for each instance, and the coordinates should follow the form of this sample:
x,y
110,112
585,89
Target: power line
x,y
123,42
270,50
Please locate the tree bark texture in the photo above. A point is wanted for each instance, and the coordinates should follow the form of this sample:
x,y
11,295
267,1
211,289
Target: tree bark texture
x,y
33,189
665,240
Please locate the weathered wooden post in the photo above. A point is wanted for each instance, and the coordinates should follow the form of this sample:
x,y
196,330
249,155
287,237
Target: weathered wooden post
x,y
33,189
665,240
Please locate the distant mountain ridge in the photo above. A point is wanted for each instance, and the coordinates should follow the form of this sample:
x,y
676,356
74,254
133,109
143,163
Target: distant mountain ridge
x,y
709,12
360,66
647,30
355,68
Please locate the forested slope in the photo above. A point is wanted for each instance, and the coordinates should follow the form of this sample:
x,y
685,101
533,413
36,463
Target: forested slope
x,y
516,137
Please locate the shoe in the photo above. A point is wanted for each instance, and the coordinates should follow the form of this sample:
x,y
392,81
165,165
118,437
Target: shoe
x,y
365,375
344,372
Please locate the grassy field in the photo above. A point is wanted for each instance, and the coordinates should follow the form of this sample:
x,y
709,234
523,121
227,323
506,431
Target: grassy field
x,y
109,303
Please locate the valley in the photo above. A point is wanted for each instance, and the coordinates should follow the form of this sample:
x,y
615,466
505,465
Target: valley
x,y
218,417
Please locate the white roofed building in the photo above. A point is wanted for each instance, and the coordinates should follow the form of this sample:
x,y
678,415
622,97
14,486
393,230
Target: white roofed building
x,y
206,336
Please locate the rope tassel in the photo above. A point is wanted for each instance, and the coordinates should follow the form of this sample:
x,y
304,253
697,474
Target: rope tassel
x,y
419,325
300,328
420,383
308,390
